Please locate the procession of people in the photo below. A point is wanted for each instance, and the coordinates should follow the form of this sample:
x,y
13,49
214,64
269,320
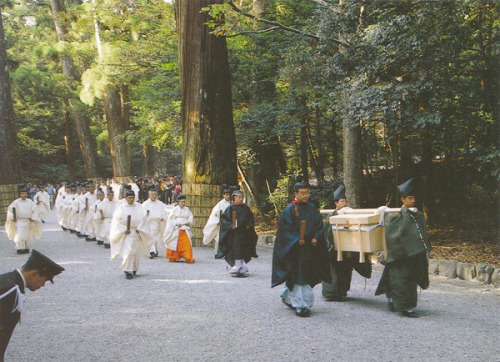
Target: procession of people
x,y
304,253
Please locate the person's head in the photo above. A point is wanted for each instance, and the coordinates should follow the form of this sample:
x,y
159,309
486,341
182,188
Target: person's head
x,y
38,269
339,197
130,197
23,192
181,201
92,188
226,194
110,194
153,194
42,187
301,191
407,193
238,197
100,195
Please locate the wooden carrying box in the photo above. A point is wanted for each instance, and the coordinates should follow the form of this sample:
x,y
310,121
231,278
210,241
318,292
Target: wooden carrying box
x,y
357,232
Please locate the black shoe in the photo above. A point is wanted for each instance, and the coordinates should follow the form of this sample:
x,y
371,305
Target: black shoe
x,y
20,251
89,239
152,255
43,221
134,272
72,231
390,305
25,251
64,228
336,298
106,246
303,312
287,304
129,275
100,242
409,314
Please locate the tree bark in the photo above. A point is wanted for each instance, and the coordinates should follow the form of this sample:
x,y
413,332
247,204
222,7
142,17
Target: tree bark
x,y
67,145
209,142
117,122
9,151
352,162
77,109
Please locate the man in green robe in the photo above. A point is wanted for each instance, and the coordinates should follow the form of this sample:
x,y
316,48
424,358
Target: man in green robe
x,y
341,271
407,262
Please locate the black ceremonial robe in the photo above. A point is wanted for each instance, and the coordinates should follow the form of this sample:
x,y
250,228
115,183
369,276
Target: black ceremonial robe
x,y
239,243
296,264
9,284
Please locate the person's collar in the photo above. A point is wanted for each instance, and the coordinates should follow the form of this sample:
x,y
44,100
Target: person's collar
x,y
22,277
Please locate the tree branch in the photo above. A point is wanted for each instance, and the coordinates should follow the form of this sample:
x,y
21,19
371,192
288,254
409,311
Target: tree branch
x,y
279,25
253,32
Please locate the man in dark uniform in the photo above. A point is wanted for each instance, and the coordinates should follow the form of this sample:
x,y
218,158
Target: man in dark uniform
x,y
237,240
300,257
407,262
341,271
32,275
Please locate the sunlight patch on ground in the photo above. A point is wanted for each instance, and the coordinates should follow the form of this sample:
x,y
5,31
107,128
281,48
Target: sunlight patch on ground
x,y
192,281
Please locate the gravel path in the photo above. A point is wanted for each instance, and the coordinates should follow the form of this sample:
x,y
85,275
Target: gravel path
x,y
197,312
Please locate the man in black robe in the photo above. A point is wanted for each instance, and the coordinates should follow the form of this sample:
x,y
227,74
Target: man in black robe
x,y
407,249
300,256
341,271
237,238
33,275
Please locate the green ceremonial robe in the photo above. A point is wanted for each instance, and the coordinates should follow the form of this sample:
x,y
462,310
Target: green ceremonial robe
x,y
407,262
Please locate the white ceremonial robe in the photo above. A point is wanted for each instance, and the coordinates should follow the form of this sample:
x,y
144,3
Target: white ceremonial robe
x,y
134,245
211,229
42,202
178,216
108,208
27,226
136,189
61,197
84,202
68,211
92,222
157,214
74,212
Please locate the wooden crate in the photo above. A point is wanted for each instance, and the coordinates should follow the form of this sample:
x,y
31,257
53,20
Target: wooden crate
x,y
357,232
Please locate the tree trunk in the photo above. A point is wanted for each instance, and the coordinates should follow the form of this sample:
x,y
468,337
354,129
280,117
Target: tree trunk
x,y
353,172
77,109
9,152
209,142
67,145
148,154
117,123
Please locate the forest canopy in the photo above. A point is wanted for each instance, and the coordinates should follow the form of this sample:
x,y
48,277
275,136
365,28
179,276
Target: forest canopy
x,y
411,85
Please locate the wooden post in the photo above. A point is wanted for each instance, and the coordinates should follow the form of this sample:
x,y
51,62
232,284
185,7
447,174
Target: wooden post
x,y
200,198
8,193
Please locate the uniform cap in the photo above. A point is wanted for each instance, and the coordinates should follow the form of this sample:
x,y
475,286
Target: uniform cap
x,y
44,266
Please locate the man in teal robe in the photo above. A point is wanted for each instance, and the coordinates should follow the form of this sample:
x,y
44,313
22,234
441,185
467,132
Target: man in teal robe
x,y
407,262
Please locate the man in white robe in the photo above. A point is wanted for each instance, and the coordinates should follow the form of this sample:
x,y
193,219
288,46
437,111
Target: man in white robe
x,y
177,235
93,219
129,234
106,209
42,201
74,209
61,201
157,214
23,222
211,229
84,202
